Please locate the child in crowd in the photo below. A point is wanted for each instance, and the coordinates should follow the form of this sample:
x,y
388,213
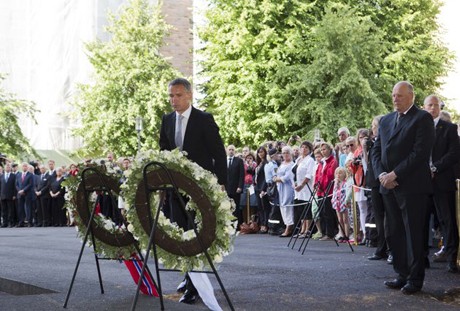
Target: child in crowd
x,y
341,202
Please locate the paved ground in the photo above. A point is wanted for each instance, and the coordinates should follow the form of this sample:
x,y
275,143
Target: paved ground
x,y
261,274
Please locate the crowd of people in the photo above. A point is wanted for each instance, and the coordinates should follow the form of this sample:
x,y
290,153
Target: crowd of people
x,y
400,175
32,194
307,189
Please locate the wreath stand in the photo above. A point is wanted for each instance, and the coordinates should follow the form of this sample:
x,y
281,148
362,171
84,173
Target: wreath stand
x,y
306,209
154,224
89,230
315,217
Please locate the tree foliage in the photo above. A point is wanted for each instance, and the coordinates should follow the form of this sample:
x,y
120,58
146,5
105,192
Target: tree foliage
x,y
13,143
130,80
274,68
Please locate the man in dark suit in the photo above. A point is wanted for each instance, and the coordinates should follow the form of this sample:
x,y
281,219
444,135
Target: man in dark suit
x,y
24,187
196,133
401,157
8,195
235,181
444,157
43,196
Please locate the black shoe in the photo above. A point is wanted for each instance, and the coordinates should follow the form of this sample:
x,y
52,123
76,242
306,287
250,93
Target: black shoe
x,y
440,257
390,259
189,297
452,267
4,226
410,289
376,257
395,284
182,286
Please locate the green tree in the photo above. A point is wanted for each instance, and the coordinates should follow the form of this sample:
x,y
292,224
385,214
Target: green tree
x,y
130,80
340,85
274,68
13,143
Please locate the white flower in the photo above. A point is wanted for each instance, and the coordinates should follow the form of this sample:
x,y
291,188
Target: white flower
x,y
127,173
218,258
226,205
131,228
188,235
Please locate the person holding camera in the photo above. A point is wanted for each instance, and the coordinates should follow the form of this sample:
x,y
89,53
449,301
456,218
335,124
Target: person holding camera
x,y
359,168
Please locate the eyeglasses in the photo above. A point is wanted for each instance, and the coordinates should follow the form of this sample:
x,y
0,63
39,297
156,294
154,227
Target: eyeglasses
x,y
285,152
350,145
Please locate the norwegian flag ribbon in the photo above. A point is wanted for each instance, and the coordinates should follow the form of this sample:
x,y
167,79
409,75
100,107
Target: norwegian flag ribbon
x,y
135,268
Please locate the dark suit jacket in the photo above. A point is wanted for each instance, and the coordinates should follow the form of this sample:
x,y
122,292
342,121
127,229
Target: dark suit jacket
x,y
405,149
235,176
8,188
26,185
44,184
445,155
202,141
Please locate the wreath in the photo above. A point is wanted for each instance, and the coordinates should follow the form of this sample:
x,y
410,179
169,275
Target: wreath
x,y
176,248
112,241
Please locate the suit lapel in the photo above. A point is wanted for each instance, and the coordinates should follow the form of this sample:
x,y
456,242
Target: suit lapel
x,y
188,129
172,129
403,122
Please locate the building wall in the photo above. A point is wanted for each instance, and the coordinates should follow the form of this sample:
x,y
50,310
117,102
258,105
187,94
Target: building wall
x,y
179,44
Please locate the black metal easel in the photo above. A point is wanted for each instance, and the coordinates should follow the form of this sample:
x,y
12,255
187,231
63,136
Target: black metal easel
x,y
315,217
89,230
154,223
305,210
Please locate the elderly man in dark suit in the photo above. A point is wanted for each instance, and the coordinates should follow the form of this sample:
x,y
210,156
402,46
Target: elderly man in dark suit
x,y
444,157
8,195
401,157
195,132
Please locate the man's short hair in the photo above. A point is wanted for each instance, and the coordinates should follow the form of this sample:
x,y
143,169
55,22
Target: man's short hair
x,y
181,81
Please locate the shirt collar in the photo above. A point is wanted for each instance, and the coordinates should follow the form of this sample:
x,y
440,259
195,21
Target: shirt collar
x,y
186,113
405,112
436,120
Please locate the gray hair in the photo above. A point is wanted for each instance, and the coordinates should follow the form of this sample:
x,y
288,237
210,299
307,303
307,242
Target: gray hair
x,y
181,81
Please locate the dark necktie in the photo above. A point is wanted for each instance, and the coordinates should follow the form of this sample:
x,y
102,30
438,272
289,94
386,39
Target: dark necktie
x,y
398,118
230,162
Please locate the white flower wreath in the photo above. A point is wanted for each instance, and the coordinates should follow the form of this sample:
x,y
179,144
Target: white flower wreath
x,y
72,183
225,226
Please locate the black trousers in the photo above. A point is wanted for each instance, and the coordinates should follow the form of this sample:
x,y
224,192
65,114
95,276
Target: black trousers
x,y
445,209
379,216
406,215
328,218
8,212
263,208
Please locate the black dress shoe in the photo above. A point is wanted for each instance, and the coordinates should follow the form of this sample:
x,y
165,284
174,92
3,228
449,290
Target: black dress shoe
x,y
395,284
182,286
440,257
189,297
376,257
410,289
452,267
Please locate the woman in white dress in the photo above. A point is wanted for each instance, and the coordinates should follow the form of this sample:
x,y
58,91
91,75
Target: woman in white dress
x,y
303,185
285,183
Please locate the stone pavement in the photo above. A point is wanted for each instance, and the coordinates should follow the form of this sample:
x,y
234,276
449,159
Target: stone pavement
x,y
261,274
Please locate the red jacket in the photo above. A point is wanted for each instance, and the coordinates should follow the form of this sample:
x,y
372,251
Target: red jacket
x,y
324,177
